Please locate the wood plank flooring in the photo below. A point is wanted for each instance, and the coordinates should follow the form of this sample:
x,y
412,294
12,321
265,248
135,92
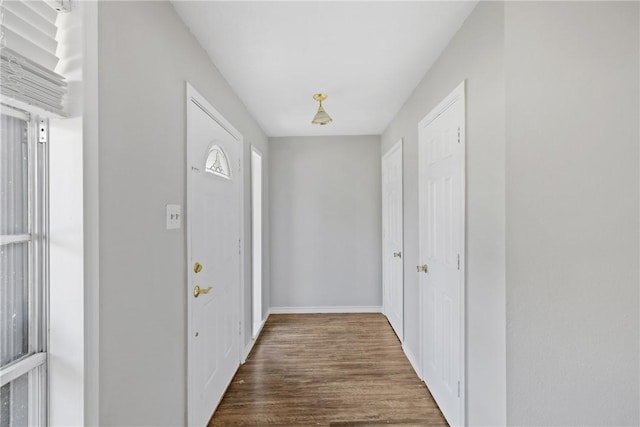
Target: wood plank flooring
x,y
339,370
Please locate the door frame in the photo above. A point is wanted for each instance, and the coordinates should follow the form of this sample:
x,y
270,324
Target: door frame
x,y
397,146
457,95
192,95
256,331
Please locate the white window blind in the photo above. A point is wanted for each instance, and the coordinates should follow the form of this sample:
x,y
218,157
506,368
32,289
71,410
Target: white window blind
x,y
28,54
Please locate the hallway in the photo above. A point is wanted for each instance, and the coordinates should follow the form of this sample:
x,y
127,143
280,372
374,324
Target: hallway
x,y
328,370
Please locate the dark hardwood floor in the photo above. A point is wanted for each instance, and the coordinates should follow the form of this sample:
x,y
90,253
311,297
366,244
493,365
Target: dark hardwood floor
x,y
327,370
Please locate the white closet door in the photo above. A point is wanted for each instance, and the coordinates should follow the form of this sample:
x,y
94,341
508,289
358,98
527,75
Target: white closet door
x,y
441,246
392,264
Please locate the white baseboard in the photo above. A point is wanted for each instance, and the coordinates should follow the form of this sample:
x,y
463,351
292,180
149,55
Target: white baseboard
x,y
252,342
412,359
316,310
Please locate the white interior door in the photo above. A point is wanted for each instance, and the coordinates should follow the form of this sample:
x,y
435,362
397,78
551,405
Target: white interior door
x,y
214,282
392,247
441,247
256,238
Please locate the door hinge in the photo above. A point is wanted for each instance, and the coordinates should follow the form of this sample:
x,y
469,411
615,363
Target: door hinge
x,y
458,134
458,261
458,388
62,6
239,247
43,131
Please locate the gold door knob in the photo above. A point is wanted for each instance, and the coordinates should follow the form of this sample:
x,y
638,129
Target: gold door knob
x,y
197,267
197,290
423,268
397,254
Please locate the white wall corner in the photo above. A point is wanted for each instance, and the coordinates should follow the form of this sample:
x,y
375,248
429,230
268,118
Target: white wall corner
x,y
91,180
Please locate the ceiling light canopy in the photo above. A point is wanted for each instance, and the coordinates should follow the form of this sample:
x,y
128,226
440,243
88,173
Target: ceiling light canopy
x,y
321,118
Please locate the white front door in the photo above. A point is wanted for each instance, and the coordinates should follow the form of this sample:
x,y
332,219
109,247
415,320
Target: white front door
x,y
441,247
213,289
392,265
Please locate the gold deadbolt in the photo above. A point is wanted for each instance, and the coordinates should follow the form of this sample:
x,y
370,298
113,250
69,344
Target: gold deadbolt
x,y
197,267
197,290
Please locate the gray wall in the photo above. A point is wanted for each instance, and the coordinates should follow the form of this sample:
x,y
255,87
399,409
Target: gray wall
x,y
145,55
572,213
474,54
325,221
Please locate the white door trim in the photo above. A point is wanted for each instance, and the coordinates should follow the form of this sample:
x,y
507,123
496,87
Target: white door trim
x,y
192,95
256,331
397,146
457,95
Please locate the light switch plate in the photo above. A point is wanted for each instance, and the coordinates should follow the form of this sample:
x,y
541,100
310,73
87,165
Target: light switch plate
x,y
174,217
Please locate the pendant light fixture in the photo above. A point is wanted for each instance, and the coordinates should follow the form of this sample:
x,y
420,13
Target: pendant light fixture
x,y
321,118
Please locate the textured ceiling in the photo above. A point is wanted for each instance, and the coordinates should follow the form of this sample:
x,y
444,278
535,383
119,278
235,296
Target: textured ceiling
x,y
367,56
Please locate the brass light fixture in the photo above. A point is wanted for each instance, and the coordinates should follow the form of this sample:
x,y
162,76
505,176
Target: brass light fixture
x,y
321,118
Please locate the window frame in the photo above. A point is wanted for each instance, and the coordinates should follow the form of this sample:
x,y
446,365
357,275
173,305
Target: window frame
x,y
225,168
35,362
